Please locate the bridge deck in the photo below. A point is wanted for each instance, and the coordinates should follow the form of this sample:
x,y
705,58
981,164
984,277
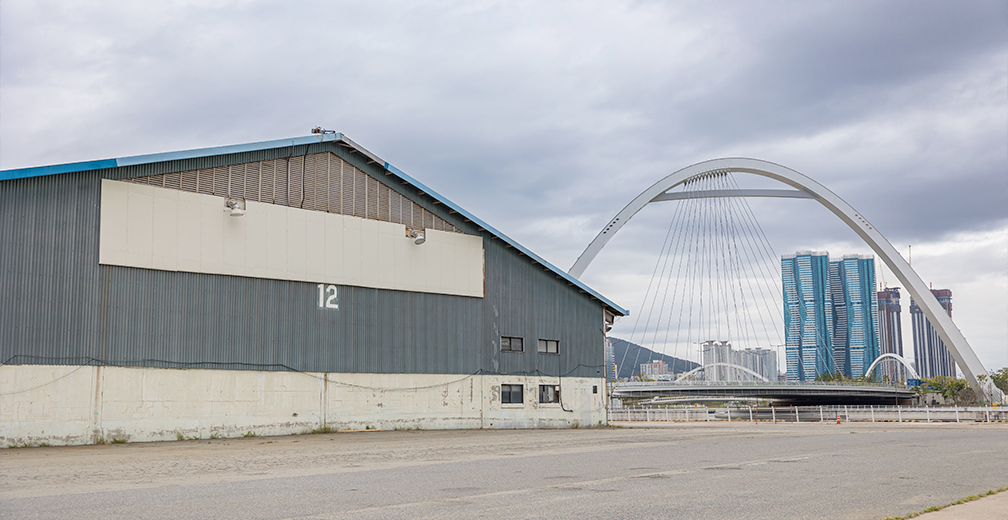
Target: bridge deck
x,y
781,392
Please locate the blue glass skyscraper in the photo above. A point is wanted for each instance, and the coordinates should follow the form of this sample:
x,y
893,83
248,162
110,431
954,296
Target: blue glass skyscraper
x,y
808,323
855,314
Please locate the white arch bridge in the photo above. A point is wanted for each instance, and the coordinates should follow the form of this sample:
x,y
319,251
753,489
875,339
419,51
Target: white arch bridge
x,y
804,187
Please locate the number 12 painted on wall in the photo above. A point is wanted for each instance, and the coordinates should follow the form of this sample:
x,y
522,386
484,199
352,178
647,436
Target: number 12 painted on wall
x,y
330,301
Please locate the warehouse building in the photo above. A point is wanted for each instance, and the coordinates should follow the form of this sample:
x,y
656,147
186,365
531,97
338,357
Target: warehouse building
x,y
274,288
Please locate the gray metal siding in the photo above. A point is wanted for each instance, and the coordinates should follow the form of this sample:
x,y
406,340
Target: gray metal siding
x,y
59,306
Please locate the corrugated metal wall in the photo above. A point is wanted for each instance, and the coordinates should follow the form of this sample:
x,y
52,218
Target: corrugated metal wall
x,y
59,306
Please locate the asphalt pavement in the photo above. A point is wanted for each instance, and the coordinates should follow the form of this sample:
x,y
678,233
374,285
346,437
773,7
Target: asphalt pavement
x,y
672,470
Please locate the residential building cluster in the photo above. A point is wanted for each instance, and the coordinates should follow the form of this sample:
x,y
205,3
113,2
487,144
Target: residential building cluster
x,y
835,322
726,364
830,315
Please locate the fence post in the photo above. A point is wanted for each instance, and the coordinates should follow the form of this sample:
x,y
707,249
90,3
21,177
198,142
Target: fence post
x,y
750,414
927,412
797,419
957,413
987,413
873,413
899,413
647,414
773,411
820,414
729,414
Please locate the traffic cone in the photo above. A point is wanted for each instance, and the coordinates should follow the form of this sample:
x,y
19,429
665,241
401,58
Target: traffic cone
x,y
838,419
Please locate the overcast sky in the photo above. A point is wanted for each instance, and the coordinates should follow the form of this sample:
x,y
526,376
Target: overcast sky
x,y
545,120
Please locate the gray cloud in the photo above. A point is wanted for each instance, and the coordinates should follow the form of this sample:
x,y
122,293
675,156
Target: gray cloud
x,y
546,119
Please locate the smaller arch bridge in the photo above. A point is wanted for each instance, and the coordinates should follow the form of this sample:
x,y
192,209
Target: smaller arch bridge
x,y
714,365
904,362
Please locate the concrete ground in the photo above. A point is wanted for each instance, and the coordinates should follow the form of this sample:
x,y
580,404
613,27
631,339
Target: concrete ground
x,y
995,506
672,470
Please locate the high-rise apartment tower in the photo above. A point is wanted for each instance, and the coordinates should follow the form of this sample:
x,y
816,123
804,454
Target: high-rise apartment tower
x,y
855,314
890,334
808,322
931,357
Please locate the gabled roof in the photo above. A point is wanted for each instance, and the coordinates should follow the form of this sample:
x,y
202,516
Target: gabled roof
x,y
338,138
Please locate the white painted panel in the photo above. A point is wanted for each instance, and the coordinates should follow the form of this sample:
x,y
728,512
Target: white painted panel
x,y
212,215
234,231
189,228
315,239
112,240
369,253
276,240
352,250
385,268
164,250
255,239
195,233
139,225
415,267
297,246
334,247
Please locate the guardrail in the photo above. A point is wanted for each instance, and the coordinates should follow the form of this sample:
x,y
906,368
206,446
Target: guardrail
x,y
797,414
646,384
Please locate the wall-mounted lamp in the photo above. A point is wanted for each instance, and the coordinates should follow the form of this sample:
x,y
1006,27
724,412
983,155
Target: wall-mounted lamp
x,y
236,209
418,237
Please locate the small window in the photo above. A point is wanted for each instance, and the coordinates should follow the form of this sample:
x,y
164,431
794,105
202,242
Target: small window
x,y
512,344
512,394
594,389
549,346
549,393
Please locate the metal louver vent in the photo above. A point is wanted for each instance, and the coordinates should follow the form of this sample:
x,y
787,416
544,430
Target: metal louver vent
x,y
173,181
335,184
204,181
236,189
220,181
318,182
280,189
308,182
252,181
189,180
295,182
266,182
348,189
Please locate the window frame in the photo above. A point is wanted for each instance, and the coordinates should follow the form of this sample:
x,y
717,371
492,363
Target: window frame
x,y
508,389
556,394
546,343
510,342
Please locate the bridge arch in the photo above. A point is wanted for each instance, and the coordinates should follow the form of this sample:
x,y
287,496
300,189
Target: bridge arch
x,y
729,365
889,355
805,187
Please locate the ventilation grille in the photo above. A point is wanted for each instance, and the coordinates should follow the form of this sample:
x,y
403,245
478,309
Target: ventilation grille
x,y
317,182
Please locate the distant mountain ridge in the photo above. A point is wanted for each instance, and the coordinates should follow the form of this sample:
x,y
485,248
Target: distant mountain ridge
x,y
643,355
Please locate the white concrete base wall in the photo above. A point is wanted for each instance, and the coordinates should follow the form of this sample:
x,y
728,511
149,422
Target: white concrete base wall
x,y
68,405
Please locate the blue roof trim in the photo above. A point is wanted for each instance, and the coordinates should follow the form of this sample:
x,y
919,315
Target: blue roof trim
x,y
40,171
504,237
296,141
